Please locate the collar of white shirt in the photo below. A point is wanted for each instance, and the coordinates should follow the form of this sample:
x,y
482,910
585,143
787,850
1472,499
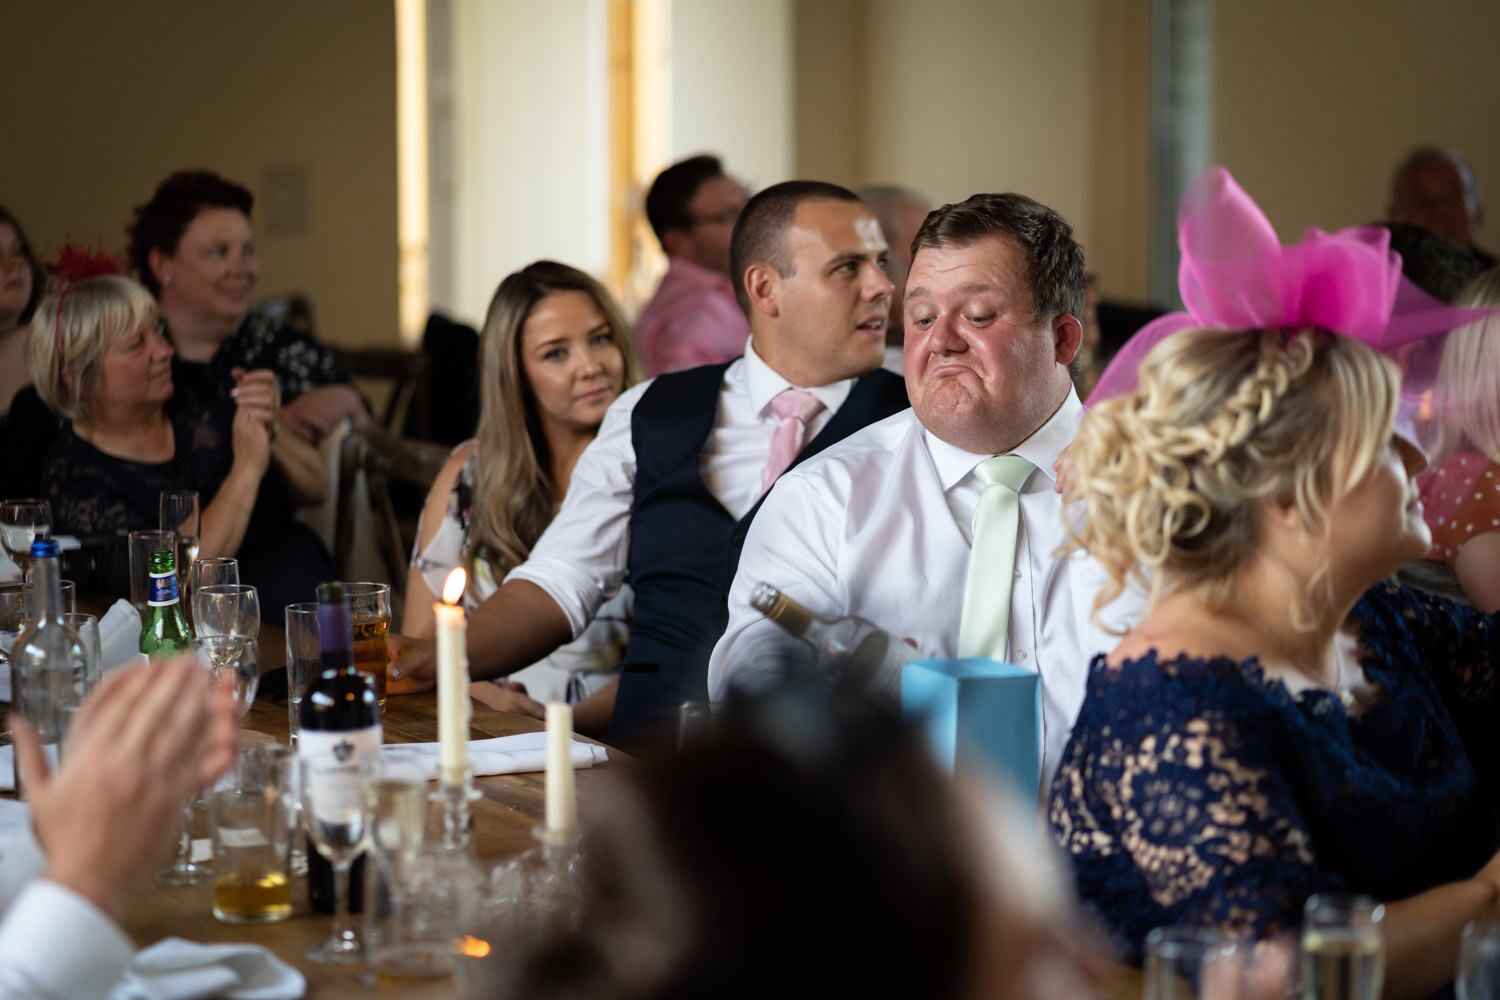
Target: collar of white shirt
x,y
763,384
1041,449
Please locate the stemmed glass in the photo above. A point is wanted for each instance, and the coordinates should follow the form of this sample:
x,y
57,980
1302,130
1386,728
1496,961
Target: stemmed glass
x,y
21,523
336,815
238,656
179,513
226,609
209,572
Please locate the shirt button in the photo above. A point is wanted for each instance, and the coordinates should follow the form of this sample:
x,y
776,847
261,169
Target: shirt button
x,y
1018,574
1022,655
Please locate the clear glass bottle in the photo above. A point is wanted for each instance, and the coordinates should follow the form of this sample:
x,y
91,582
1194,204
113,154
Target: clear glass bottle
x,y
847,649
49,669
165,631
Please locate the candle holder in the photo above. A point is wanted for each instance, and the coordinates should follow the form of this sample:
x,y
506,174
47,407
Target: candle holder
x,y
455,799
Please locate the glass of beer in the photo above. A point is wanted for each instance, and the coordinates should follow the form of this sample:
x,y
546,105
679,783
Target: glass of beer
x,y
370,616
252,828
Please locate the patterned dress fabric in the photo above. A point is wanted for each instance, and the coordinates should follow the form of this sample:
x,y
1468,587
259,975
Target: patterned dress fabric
x,y
1475,513
299,361
1201,792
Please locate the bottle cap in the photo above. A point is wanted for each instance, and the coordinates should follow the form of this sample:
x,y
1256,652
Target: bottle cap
x,y
44,548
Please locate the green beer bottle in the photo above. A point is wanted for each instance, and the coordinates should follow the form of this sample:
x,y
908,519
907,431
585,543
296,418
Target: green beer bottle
x,y
165,632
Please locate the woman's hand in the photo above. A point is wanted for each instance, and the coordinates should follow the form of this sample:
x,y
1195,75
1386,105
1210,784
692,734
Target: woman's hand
x,y
507,696
252,440
257,391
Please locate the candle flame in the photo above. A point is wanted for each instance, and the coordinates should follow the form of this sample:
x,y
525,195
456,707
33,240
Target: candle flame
x,y
472,947
453,587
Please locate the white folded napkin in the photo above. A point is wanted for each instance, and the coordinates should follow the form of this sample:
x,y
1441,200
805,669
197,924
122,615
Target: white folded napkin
x,y
176,969
508,754
119,635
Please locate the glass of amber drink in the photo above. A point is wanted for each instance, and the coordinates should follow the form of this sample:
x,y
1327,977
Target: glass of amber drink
x,y
252,828
370,616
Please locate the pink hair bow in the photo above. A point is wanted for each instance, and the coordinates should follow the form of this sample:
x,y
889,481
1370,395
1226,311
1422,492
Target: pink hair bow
x,y
1235,275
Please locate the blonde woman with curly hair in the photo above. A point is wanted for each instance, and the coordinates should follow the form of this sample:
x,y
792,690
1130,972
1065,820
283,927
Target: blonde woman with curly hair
x,y
555,352
1283,721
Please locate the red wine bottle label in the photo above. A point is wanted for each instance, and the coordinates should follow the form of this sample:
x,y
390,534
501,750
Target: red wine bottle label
x,y
333,769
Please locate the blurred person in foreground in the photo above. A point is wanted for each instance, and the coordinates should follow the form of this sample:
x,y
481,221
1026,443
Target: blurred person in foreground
x,y
799,850
193,246
1435,187
97,358
555,352
104,819
900,211
1282,721
693,318
682,460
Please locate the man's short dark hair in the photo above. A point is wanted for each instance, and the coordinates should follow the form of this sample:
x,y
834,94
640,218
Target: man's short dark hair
x,y
160,222
1473,190
1054,260
674,187
758,235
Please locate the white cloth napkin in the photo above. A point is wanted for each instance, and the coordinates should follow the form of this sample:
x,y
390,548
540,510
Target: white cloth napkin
x,y
119,635
508,754
177,969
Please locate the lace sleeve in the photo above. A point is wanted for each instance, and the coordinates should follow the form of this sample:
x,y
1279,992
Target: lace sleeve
x,y
1176,810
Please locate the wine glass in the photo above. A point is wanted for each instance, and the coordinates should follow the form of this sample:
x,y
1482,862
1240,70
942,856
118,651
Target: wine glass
x,y
1479,961
180,513
238,656
21,523
1189,963
226,609
336,815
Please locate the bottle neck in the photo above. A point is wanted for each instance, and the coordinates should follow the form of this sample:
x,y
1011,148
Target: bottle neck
x,y
46,589
795,618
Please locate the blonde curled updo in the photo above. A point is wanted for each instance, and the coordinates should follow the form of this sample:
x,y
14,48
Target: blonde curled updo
x,y
1171,474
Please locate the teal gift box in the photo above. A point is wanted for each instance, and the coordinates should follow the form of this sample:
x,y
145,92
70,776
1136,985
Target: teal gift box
x,y
978,712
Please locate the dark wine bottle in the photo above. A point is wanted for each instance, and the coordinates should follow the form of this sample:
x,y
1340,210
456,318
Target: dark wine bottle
x,y
340,722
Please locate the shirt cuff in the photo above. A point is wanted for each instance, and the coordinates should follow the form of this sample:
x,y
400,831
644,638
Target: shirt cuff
x,y
61,945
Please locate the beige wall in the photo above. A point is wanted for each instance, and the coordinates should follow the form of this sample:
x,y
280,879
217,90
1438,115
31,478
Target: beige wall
x,y
111,97
1317,101
952,97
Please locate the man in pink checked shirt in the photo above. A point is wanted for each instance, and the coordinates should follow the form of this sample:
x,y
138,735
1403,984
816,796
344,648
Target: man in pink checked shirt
x,y
693,318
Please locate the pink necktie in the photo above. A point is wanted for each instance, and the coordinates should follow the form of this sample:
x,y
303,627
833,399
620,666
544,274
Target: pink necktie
x,y
795,407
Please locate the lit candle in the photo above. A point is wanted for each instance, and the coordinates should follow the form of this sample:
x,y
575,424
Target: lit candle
x,y
453,681
562,807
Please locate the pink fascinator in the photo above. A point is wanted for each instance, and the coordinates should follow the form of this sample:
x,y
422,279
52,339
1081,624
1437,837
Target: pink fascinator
x,y
1237,276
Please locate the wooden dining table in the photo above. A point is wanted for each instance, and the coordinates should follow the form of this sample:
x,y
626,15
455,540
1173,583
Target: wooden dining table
x,y
506,818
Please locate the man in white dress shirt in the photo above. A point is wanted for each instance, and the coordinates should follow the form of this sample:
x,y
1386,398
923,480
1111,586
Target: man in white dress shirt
x,y
681,459
148,737
878,526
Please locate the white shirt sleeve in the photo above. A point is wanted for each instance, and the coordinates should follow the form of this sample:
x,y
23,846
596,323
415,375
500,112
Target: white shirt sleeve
x,y
793,544
56,944
580,559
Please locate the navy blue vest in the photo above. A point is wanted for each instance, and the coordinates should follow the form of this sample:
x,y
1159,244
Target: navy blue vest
x,y
684,544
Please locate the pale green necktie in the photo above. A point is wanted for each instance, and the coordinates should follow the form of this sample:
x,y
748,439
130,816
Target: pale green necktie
x,y
992,558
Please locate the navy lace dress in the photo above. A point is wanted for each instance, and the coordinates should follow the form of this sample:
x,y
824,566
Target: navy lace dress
x,y
1201,792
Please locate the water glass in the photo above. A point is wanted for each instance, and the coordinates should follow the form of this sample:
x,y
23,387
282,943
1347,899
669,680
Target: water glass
x,y
1189,963
370,618
87,627
67,588
304,659
209,571
12,616
226,609
237,656
1479,961
21,523
1343,947
252,837
142,544
408,917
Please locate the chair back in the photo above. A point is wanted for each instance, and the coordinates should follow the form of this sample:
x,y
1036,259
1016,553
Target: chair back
x,y
378,460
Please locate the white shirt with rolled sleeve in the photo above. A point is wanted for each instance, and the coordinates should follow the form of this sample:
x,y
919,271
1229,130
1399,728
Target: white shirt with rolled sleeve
x,y
580,559
878,526
54,944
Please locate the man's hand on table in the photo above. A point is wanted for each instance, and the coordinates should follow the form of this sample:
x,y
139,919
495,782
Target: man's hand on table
x,y
413,665
143,741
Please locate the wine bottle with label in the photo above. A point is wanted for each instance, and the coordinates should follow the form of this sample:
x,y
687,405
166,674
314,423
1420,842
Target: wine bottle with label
x,y
165,631
48,666
847,650
340,724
